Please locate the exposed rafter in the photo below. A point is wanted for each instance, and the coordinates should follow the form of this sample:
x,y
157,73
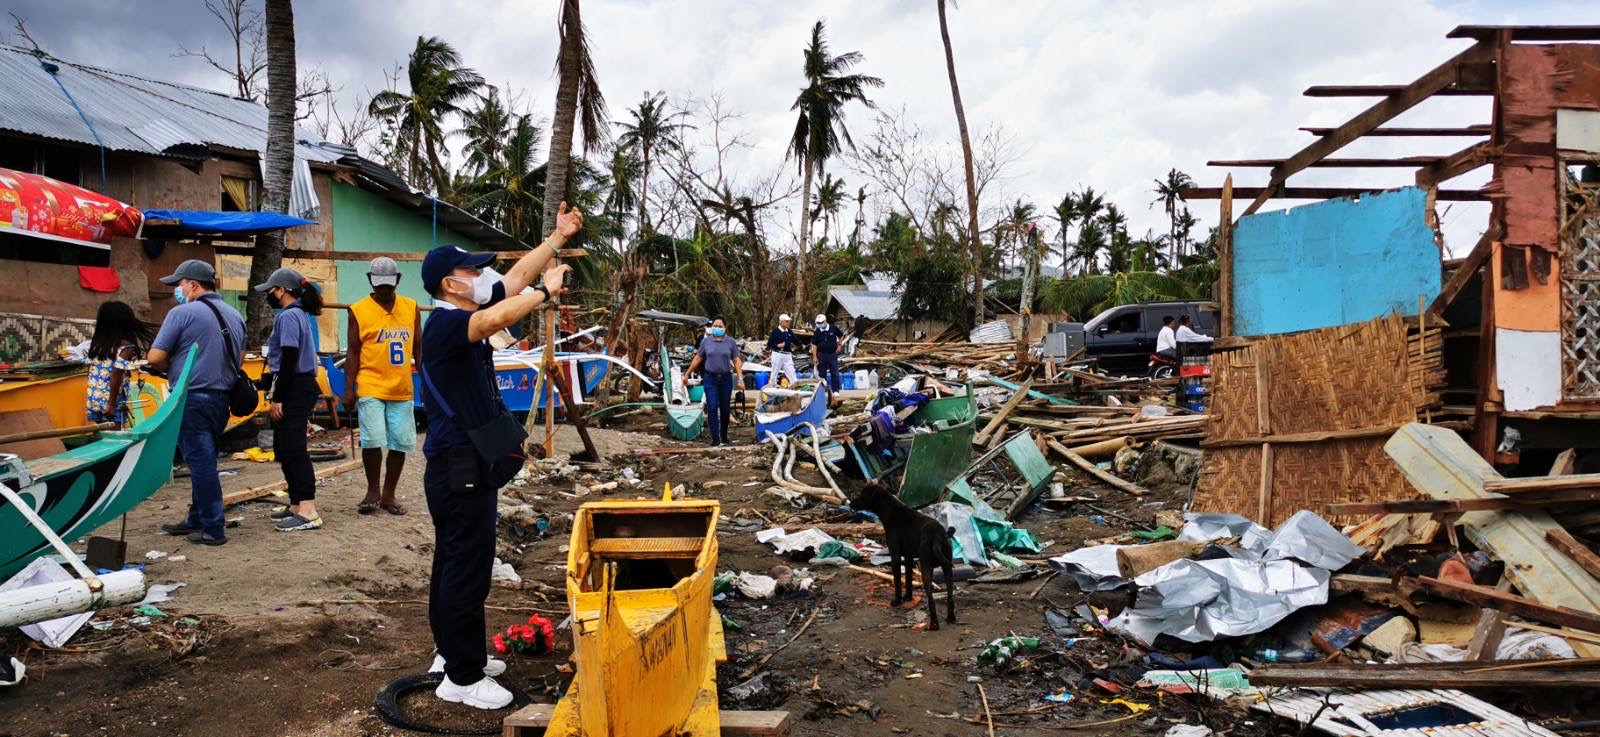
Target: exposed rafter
x,y
1454,165
1384,90
1528,33
1407,162
1321,193
1471,130
1381,112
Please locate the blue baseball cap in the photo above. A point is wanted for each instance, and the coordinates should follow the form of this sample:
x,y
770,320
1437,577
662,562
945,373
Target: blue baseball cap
x,y
442,260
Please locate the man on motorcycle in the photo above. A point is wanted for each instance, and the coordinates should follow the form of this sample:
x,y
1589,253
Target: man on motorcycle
x,y
1167,339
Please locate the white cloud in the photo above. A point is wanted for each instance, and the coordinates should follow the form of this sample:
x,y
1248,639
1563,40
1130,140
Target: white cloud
x,y
1097,93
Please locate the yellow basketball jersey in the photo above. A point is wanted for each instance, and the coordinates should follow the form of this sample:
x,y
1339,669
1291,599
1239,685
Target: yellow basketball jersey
x,y
386,340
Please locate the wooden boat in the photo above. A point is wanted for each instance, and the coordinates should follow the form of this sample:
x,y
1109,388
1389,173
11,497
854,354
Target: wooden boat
x,y
646,638
63,396
772,417
925,462
79,490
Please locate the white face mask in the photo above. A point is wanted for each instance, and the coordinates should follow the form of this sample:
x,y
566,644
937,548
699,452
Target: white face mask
x,y
482,286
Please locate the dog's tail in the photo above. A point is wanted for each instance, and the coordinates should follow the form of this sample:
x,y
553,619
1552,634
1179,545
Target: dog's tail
x,y
947,550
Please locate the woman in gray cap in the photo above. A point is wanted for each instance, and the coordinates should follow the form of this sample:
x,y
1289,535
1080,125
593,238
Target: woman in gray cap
x,y
292,359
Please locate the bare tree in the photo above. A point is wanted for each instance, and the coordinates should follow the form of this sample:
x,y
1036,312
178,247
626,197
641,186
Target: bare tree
x,y
246,35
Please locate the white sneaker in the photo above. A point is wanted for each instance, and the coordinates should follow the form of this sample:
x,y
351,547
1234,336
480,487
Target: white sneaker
x,y
484,694
493,667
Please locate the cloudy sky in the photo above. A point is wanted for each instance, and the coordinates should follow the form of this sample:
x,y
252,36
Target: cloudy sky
x,y
1106,94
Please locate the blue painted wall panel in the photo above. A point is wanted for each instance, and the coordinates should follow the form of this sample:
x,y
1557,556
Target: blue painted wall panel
x,y
1333,263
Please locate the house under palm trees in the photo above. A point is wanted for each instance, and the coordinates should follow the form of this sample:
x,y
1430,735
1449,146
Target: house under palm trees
x,y
871,310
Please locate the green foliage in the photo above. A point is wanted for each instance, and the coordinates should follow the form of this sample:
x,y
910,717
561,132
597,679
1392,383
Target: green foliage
x,y
1083,297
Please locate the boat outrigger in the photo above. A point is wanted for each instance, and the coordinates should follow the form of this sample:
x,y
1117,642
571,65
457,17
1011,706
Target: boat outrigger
x,y
58,498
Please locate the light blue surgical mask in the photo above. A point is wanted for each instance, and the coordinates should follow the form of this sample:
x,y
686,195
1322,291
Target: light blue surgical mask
x,y
719,332
177,294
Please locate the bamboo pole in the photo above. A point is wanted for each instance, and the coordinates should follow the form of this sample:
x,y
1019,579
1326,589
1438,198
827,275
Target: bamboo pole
x,y
57,432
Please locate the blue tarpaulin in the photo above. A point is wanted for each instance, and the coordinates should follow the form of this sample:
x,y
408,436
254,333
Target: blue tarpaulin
x,y
217,221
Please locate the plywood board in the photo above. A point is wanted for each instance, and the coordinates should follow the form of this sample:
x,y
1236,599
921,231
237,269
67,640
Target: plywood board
x,y
1528,367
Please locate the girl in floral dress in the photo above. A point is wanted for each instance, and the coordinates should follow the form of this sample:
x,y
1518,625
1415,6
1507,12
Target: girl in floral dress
x,y
120,338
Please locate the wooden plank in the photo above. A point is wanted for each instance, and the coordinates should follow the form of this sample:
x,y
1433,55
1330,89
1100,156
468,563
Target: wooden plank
x,y
1264,426
1527,33
1570,482
1464,273
1576,550
1441,506
1471,130
1323,193
1405,162
532,721
1406,675
55,432
1017,398
1491,629
1565,463
1386,90
261,491
1449,167
1317,437
1225,260
1484,596
1093,470
1379,113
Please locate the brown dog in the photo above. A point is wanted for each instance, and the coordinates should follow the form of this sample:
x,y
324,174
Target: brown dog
x,y
912,534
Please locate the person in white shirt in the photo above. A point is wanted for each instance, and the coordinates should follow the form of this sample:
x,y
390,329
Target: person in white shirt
x,y
1167,339
1186,333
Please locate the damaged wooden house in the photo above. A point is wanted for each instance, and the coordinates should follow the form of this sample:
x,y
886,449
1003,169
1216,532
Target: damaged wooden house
x,y
1344,319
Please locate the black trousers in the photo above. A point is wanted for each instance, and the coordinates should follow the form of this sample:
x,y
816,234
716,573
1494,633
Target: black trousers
x,y
463,551
289,438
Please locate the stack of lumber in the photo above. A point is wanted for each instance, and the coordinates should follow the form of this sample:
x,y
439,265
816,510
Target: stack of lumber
x,y
38,370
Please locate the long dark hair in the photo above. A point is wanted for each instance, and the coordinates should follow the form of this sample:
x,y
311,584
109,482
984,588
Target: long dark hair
x,y
116,325
310,297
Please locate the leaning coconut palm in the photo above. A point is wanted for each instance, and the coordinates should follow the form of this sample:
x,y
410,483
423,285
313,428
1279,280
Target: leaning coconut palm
x,y
819,132
578,102
966,159
279,159
653,129
1169,194
440,86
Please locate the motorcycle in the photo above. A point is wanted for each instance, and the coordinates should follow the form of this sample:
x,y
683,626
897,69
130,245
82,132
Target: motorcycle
x,y
1162,367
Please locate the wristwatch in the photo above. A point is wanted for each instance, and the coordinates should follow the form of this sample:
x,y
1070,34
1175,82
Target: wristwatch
x,y
544,289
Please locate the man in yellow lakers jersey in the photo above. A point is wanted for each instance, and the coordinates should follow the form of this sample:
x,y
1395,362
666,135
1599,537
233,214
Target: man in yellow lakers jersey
x,y
384,339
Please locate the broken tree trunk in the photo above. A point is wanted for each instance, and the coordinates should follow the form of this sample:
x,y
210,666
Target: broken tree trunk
x,y
1093,470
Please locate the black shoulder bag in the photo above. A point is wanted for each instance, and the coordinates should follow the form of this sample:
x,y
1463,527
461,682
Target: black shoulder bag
x,y
243,399
498,443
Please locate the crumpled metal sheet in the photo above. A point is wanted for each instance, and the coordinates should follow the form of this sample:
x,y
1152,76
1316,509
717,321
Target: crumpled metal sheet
x,y
1093,568
1311,540
1208,526
1200,601
960,517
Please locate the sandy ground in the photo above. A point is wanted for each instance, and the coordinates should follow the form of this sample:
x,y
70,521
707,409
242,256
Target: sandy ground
x,y
264,664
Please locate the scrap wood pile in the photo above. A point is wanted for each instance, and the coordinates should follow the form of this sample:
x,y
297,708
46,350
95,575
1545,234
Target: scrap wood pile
x,y
943,358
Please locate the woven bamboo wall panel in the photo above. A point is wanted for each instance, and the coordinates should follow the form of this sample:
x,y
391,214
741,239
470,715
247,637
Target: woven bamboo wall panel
x,y
1350,377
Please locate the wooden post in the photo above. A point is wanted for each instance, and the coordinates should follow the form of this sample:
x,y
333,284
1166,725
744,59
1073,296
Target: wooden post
x,y
548,368
1264,425
1225,261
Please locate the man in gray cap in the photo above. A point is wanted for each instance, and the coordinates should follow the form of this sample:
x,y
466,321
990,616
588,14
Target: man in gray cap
x,y
383,341
200,321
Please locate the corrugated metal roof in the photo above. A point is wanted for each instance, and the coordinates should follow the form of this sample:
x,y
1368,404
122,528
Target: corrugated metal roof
x,y
870,304
991,332
137,115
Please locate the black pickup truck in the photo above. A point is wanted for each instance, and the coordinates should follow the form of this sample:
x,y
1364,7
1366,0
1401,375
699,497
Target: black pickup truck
x,y
1121,339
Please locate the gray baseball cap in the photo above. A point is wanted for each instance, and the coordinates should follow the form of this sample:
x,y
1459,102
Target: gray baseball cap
x,y
285,278
192,269
383,266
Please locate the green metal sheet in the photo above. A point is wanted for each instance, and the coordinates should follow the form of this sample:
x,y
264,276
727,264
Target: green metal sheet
x,y
1442,465
939,457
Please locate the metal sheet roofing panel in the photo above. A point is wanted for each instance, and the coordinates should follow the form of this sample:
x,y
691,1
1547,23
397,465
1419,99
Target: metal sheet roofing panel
x,y
873,305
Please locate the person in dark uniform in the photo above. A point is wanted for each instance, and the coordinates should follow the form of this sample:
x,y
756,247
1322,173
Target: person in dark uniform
x,y
825,352
460,396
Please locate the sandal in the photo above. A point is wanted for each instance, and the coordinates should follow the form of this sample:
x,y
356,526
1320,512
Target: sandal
x,y
366,507
397,509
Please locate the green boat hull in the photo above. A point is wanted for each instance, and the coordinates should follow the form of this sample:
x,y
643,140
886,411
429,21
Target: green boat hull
x,y
78,491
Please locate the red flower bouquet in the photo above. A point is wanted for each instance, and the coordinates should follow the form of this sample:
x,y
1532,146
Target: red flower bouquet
x,y
537,637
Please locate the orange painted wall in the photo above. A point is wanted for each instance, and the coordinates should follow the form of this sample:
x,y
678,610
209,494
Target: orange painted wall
x,y
1538,307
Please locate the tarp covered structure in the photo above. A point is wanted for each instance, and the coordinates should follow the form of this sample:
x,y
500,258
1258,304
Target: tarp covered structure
x,y
191,223
46,208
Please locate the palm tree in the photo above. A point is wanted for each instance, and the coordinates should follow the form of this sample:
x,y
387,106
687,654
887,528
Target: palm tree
x,y
440,86
1065,211
819,131
510,191
653,128
966,160
830,197
486,129
578,101
620,200
278,179
1091,242
1085,296
1169,192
